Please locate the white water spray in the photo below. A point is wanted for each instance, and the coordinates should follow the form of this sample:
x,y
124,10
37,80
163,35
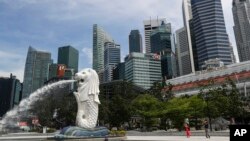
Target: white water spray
x,y
11,116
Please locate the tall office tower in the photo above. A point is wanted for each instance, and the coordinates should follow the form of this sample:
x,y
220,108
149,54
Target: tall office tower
x,y
183,52
186,41
241,14
36,70
161,44
150,25
99,38
10,93
142,69
211,38
112,57
68,56
232,53
119,72
135,41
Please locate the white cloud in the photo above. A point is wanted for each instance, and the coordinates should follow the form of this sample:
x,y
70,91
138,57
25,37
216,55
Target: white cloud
x,y
18,72
88,54
11,63
4,55
117,17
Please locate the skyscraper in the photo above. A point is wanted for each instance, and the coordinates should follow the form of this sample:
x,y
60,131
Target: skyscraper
x,y
99,38
211,39
183,52
10,93
135,41
36,70
142,69
161,43
241,14
150,25
68,56
185,41
112,57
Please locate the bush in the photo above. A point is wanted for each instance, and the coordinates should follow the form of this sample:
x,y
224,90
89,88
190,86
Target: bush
x,y
117,132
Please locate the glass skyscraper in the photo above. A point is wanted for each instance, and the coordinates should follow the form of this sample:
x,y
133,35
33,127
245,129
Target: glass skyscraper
x,y
112,57
36,70
68,56
211,39
99,39
142,69
10,93
150,25
183,52
161,43
135,41
241,14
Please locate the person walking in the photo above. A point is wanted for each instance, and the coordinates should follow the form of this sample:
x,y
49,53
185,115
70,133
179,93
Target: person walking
x,y
187,129
206,129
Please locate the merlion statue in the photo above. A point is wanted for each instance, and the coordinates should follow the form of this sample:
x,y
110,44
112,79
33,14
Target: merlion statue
x,y
87,113
87,98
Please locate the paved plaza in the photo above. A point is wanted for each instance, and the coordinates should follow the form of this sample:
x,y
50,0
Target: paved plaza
x,y
43,137
175,138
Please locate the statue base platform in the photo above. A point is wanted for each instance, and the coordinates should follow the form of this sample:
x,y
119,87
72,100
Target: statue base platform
x,y
78,132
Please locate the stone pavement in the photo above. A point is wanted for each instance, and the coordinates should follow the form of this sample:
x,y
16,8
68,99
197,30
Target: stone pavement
x,y
140,137
175,138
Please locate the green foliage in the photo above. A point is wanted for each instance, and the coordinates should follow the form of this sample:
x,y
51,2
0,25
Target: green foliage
x,y
148,107
120,111
224,101
65,104
115,102
177,109
157,91
117,133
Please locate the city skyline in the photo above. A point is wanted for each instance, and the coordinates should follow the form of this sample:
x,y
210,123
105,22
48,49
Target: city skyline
x,y
48,25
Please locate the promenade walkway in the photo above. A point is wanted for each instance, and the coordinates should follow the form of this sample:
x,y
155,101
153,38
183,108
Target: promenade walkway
x,y
175,138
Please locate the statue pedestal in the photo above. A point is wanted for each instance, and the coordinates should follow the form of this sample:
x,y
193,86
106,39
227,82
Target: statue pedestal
x,y
97,134
73,131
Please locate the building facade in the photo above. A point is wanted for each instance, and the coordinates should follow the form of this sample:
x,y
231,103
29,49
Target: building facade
x,y
183,52
211,39
187,16
68,56
150,25
161,44
100,36
36,70
241,14
135,41
142,69
191,84
10,93
112,55
119,72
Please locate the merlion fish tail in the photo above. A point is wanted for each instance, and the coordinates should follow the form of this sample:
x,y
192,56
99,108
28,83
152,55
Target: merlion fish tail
x,y
90,107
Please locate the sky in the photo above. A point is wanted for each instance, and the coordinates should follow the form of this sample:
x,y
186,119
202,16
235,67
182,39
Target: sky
x,y
49,24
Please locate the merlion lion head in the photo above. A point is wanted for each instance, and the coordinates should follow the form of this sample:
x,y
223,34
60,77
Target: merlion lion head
x,y
88,84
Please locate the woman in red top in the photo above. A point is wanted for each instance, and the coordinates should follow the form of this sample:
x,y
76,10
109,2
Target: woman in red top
x,y
187,129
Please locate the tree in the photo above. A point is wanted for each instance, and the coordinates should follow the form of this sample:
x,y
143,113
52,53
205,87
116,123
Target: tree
x,y
196,109
148,107
119,111
60,100
156,90
115,100
177,109
235,105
